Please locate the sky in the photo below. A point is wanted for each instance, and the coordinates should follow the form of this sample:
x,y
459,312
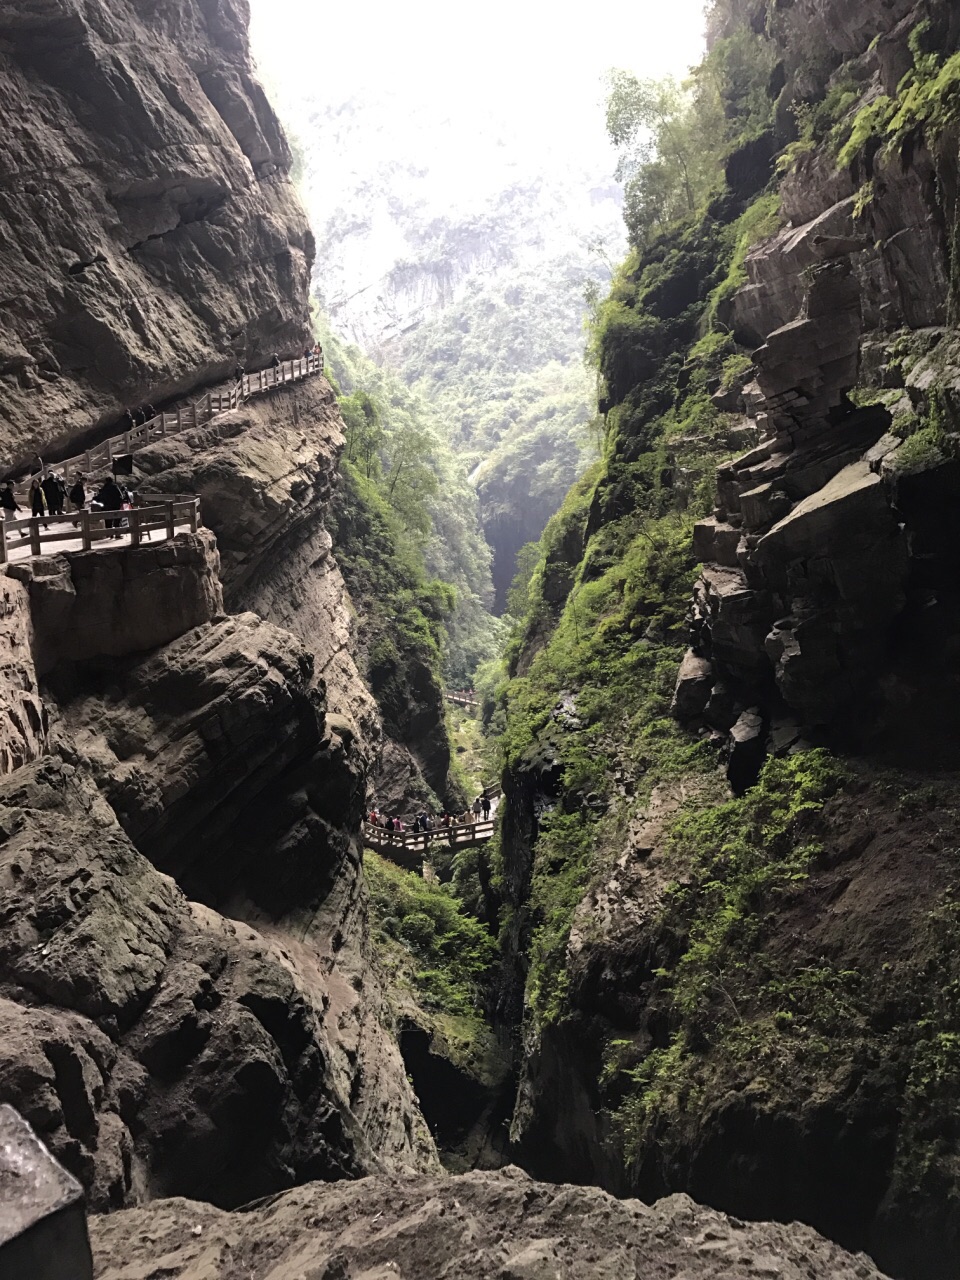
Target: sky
x,y
448,106
536,62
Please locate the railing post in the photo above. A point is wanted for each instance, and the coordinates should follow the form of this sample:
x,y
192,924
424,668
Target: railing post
x,y
3,542
194,520
171,522
133,519
85,530
35,536
86,461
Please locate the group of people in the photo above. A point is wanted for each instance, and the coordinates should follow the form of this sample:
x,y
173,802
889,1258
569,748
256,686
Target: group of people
x,y
49,493
426,822
137,417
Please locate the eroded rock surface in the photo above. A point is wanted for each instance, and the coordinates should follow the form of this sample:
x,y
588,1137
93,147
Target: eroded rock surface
x,y
482,1226
151,234
157,1047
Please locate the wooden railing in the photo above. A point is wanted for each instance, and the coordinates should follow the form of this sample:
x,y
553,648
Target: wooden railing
x,y
137,524
411,845
196,414
463,698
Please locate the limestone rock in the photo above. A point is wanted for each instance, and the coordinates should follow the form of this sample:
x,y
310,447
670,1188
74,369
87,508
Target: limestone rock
x,y
160,239
694,683
86,604
482,1226
214,756
158,1047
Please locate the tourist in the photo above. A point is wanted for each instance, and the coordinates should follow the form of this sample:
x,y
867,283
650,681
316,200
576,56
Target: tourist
x,y
477,806
110,498
239,372
78,496
275,362
446,819
8,501
38,506
54,492
128,421
36,466
485,800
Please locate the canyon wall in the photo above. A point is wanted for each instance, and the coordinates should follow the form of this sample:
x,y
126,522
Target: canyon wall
x,y
730,807
151,234
191,1000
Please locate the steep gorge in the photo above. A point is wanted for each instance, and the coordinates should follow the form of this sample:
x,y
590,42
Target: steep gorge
x,y
720,976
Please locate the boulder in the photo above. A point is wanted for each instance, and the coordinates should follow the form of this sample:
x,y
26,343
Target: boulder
x,y
481,1226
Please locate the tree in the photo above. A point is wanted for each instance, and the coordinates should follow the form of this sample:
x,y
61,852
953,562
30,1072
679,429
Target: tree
x,y
365,436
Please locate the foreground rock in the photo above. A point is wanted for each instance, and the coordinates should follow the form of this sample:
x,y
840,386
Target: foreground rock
x,y
482,1226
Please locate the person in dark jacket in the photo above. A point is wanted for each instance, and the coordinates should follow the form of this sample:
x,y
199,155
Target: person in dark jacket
x,y
38,506
78,496
110,498
9,504
275,362
54,491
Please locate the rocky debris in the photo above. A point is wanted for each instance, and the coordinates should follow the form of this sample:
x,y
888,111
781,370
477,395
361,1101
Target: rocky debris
x,y
152,236
482,1226
43,1224
159,1048
85,604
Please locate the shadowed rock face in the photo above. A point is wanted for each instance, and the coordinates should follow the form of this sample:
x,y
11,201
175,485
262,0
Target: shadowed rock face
x,y
482,1226
157,1047
151,235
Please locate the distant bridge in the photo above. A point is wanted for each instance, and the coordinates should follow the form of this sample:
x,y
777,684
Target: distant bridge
x,y
409,848
463,698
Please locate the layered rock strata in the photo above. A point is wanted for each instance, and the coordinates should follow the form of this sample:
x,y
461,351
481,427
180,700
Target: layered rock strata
x,y
151,234
828,595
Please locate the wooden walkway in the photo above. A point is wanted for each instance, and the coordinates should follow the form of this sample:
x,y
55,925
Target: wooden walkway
x,y
195,414
156,518
409,848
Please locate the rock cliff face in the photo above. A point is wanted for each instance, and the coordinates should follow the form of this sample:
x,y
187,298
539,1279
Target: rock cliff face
x,y
741,987
190,1000
151,235
827,600
146,1033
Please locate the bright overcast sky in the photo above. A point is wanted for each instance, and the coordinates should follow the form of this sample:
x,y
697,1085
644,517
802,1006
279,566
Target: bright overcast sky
x,y
541,63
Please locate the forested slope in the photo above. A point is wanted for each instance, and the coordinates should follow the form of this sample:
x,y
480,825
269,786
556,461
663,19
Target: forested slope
x,y
728,852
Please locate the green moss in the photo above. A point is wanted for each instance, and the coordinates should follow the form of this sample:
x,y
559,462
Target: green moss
x,y
451,954
736,860
923,448
760,220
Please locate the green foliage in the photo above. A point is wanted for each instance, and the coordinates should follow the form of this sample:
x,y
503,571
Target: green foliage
x,y
760,220
928,99
452,955
673,139
736,860
923,448
396,443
